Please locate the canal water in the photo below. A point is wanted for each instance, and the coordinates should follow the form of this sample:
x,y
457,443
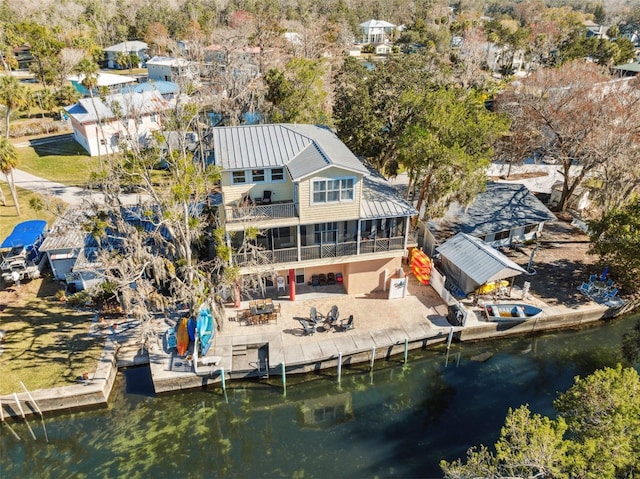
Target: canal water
x,y
398,422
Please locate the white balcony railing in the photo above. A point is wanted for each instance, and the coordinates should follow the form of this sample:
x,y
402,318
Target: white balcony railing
x,y
260,212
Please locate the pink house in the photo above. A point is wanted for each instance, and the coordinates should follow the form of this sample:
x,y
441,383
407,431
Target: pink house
x,y
101,125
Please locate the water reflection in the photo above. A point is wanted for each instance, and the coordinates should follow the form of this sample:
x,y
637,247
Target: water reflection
x,y
397,423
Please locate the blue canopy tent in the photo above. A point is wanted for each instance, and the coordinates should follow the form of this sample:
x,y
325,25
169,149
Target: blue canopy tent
x,y
26,235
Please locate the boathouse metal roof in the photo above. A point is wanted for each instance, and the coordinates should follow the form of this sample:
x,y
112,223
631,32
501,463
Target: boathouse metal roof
x,y
469,262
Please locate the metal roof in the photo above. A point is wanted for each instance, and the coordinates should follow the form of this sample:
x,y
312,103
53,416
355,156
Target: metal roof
x,y
380,199
503,206
68,232
88,109
478,260
125,47
161,86
304,148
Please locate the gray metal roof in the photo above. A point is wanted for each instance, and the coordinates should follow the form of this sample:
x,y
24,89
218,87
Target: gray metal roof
x,y
68,233
503,206
130,104
478,260
303,149
381,200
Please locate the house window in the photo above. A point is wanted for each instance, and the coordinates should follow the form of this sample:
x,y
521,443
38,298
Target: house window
x,y
325,233
139,120
334,191
238,177
502,235
277,174
257,176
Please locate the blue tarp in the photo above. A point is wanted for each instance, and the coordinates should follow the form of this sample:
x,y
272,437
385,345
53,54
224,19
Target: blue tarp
x,y
25,234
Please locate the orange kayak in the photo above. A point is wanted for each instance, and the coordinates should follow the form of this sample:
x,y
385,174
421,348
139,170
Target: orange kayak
x,y
183,337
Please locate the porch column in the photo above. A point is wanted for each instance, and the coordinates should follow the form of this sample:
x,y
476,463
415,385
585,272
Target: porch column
x,y
298,243
292,284
358,237
406,232
228,241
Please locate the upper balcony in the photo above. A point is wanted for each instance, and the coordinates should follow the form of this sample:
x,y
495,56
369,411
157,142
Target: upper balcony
x,y
257,211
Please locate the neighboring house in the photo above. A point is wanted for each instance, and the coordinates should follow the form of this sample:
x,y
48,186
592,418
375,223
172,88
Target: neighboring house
x,y
123,117
468,263
171,69
376,31
505,213
130,48
71,250
167,89
596,30
320,209
244,60
104,81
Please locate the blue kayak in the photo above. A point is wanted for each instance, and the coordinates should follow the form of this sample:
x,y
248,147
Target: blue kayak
x,y
205,330
191,328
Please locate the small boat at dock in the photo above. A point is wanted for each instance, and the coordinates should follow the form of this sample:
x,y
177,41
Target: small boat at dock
x,y
511,311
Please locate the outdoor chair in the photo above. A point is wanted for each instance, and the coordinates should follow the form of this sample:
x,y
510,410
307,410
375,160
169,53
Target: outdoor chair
x,y
172,340
346,325
314,316
266,197
307,327
585,288
331,278
610,283
339,277
322,279
332,316
593,278
315,281
280,283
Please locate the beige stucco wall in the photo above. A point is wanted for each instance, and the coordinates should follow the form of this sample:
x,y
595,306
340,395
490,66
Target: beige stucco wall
x,y
367,276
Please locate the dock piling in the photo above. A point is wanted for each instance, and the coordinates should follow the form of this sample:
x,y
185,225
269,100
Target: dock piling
x,y
35,404
224,385
406,350
339,369
284,379
15,396
450,338
8,425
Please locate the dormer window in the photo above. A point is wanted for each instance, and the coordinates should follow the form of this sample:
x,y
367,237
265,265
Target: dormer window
x,y
334,191
277,174
238,177
257,176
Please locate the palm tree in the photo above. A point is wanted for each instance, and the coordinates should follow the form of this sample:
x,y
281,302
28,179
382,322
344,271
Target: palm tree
x,y
13,95
88,68
8,161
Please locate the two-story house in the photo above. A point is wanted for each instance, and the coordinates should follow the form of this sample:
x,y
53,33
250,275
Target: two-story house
x,y
320,210
99,125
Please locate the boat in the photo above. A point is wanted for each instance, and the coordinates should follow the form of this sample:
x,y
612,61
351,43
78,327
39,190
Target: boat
x,y
23,260
183,337
511,311
205,330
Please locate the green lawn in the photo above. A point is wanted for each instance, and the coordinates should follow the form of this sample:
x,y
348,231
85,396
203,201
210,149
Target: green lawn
x,y
45,344
63,161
